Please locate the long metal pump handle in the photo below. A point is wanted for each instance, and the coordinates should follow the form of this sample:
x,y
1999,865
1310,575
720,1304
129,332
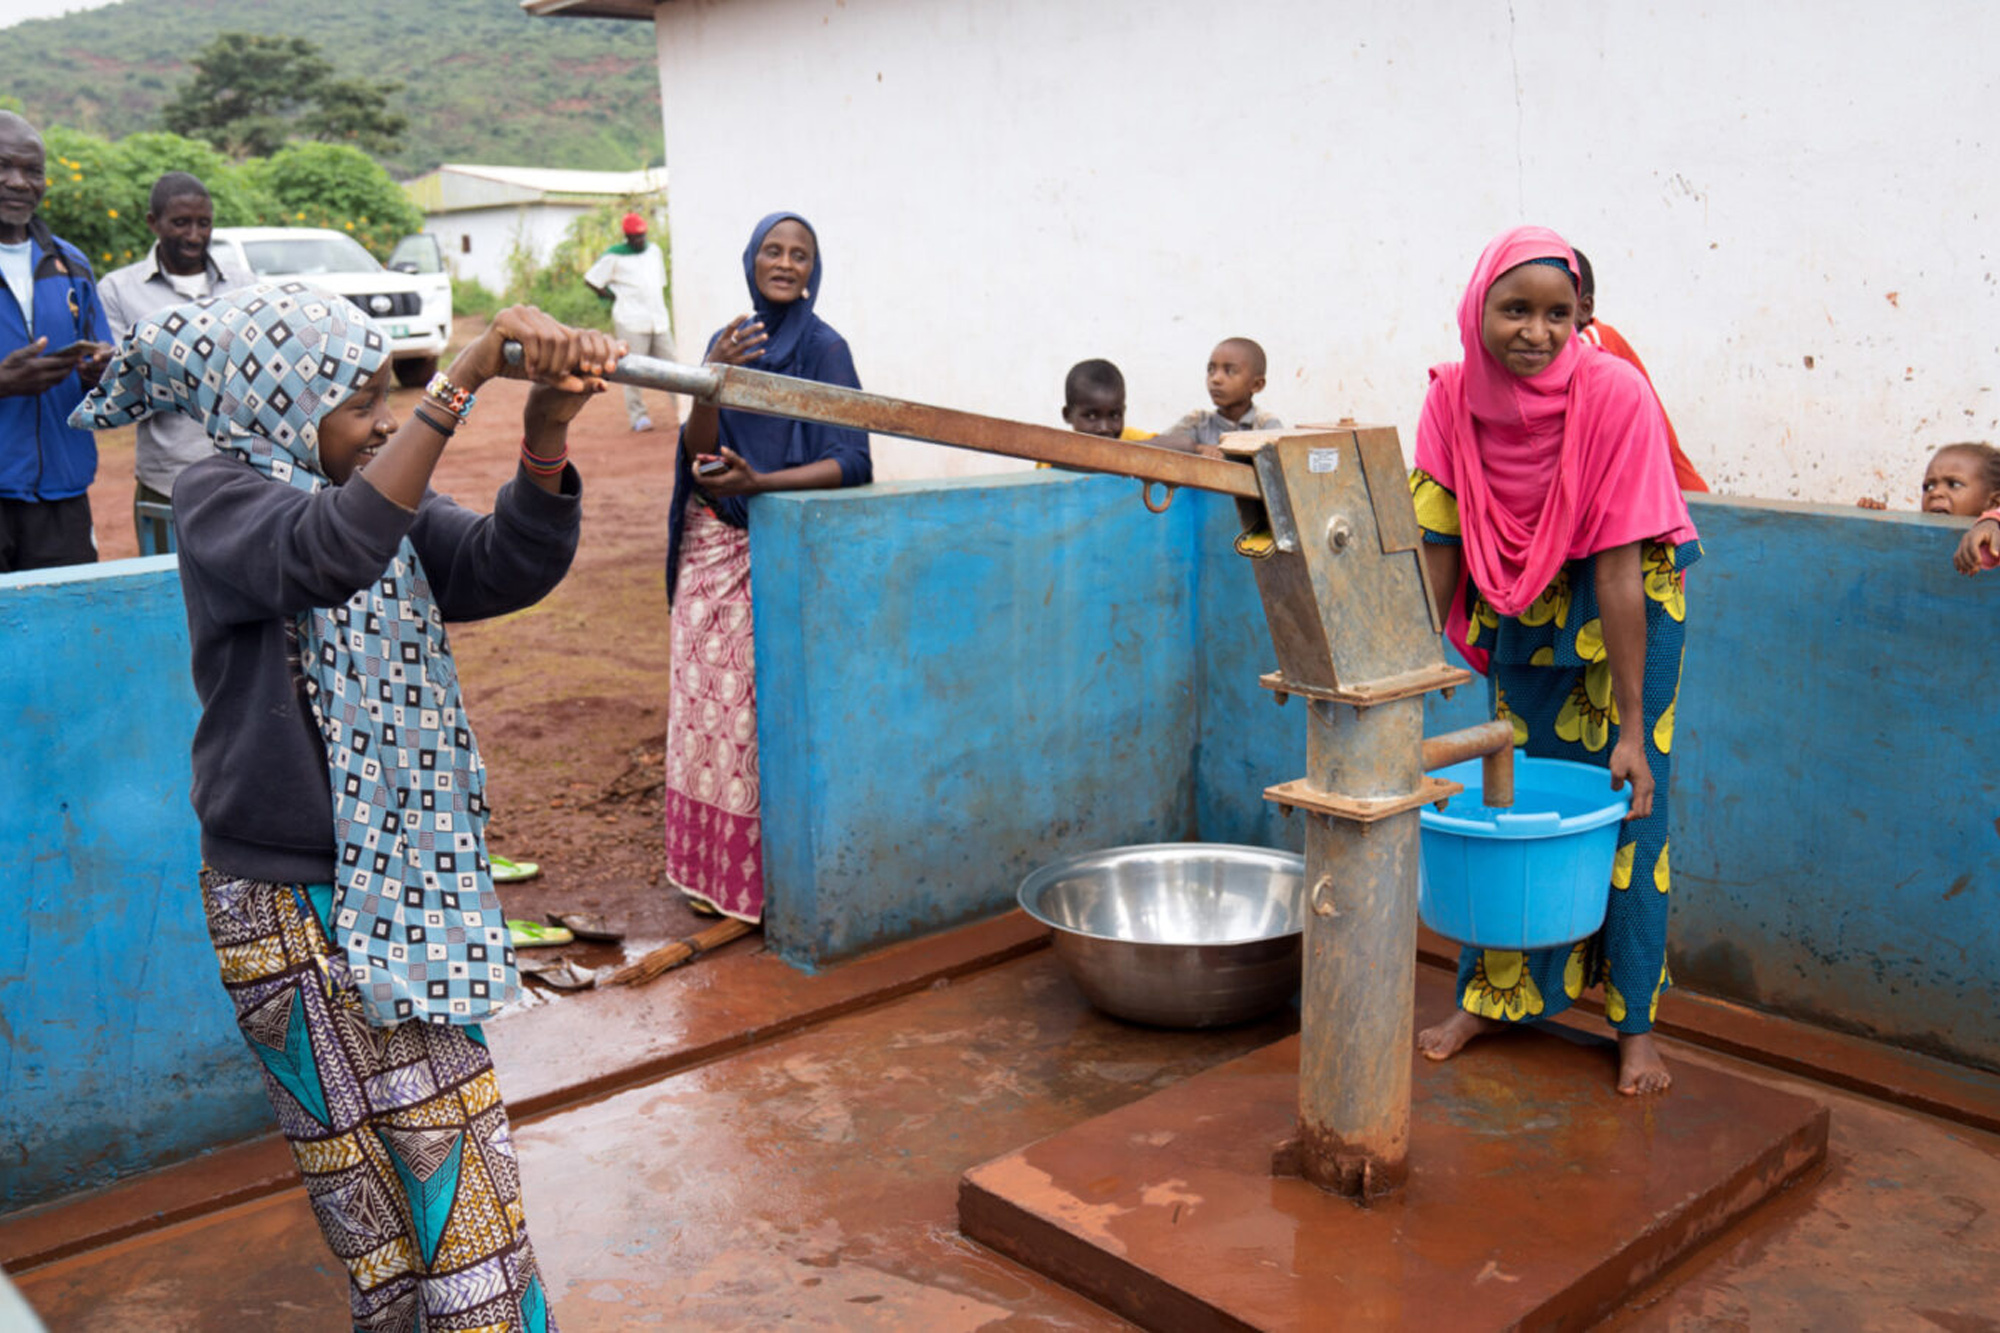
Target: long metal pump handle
x,y
744,390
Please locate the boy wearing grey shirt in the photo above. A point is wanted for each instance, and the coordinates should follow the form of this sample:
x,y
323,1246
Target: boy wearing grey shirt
x,y
1235,376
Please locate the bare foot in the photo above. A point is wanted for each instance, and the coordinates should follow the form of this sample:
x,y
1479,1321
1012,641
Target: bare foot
x,y
1443,1041
1641,1071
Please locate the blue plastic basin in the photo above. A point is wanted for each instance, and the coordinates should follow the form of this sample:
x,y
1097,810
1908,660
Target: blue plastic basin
x,y
1529,877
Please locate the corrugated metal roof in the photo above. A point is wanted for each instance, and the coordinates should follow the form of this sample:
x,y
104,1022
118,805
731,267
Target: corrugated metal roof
x,y
456,186
591,9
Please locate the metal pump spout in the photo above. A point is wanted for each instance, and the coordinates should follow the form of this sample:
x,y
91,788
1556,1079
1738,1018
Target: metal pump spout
x,y
1492,743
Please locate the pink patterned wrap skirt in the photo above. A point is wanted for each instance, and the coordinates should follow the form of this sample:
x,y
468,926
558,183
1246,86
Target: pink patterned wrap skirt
x,y
714,836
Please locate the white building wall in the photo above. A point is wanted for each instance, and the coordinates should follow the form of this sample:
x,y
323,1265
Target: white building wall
x,y
1789,204
478,241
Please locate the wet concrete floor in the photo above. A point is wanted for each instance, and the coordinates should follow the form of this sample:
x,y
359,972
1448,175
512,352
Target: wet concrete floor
x,y
810,1181
806,1183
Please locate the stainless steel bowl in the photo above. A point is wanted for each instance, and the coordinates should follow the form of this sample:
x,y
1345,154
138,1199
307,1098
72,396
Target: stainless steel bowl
x,y
1176,934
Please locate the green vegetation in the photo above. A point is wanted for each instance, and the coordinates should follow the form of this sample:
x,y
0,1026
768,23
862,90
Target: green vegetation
x,y
97,191
250,93
470,296
481,80
333,185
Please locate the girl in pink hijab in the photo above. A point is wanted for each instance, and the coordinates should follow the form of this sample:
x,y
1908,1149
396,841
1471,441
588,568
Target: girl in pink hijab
x,y
1557,536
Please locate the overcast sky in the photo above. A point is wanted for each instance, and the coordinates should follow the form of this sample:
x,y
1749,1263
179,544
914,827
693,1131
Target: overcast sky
x,y
18,11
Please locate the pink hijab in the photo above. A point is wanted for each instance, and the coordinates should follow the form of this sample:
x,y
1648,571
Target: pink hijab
x,y
1547,468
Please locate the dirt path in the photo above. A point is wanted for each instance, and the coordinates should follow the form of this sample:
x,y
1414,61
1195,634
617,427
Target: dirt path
x,y
569,698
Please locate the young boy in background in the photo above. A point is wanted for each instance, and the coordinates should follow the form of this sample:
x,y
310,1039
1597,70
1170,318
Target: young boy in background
x,y
1962,480
1235,378
1094,401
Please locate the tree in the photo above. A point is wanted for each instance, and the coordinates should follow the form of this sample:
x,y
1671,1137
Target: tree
x,y
98,191
150,154
250,93
333,185
354,111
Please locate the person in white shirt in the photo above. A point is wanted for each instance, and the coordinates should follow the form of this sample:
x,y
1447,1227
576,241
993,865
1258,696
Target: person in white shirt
x,y
178,269
633,277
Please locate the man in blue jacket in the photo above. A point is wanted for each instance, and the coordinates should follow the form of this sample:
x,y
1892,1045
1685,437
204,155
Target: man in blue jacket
x,y
49,354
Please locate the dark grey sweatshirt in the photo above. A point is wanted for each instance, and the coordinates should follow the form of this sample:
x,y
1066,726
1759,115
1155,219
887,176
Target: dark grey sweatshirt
x,y
253,553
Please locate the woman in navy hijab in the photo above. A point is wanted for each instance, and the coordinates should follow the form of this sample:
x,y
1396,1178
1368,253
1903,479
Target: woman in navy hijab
x,y
714,844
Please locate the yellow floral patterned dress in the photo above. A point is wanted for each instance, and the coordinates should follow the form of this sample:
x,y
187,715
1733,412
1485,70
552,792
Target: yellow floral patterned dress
x,y
1550,675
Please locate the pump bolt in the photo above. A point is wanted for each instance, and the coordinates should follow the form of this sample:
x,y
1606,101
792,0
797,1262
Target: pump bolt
x,y
1338,534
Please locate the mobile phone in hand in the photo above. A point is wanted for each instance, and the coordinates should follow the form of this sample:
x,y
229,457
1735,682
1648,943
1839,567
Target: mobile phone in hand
x,y
710,467
76,351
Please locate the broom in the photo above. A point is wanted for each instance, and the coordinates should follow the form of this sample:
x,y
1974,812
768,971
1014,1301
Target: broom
x,y
673,955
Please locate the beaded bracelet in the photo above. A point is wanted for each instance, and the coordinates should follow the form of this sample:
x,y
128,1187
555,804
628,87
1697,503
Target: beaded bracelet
x,y
446,429
449,396
543,467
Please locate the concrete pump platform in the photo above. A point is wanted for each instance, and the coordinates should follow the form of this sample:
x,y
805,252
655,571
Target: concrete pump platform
x,y
1536,1198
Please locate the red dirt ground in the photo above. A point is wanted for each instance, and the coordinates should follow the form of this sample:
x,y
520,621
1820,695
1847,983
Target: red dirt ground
x,y
569,698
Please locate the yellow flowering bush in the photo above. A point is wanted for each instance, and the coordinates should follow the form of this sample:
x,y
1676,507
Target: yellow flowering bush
x,y
98,190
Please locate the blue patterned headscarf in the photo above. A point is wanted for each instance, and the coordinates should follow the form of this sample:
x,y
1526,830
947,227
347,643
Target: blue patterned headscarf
x,y
414,912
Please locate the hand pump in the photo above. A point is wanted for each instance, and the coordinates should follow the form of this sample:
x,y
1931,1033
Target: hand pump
x,y
1327,520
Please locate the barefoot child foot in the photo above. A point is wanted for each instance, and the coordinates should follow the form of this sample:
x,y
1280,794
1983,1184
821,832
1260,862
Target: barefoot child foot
x,y
1641,1071
1443,1041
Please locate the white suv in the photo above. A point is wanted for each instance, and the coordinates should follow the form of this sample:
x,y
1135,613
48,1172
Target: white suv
x,y
411,299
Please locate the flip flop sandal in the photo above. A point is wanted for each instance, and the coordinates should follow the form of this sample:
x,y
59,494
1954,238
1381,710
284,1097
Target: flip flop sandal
x,y
535,935
566,975
702,906
512,872
587,926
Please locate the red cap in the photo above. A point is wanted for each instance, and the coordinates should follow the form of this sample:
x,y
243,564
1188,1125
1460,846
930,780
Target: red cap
x,y
634,224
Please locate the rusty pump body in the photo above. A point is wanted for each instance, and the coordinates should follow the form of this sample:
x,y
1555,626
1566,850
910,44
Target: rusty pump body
x,y
1328,519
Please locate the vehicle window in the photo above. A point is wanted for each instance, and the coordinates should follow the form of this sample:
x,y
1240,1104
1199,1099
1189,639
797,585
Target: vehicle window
x,y
305,255
417,254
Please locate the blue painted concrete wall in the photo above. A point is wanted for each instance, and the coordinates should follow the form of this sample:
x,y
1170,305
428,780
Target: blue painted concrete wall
x,y
1244,741
119,1050
1837,774
955,684
1837,855
962,680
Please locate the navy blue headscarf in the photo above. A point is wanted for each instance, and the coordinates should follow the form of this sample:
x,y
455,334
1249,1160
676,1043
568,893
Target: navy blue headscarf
x,y
800,344
786,325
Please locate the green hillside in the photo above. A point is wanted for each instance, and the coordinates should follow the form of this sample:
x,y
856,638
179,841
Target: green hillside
x,y
482,82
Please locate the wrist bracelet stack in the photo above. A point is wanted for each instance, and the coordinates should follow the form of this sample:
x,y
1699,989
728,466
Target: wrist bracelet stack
x,y
456,402
538,466
450,397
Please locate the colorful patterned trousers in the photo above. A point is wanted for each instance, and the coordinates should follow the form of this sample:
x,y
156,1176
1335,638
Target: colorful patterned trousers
x,y
399,1132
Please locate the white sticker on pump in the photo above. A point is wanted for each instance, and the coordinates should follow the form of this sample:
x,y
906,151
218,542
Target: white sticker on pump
x,y
1322,460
